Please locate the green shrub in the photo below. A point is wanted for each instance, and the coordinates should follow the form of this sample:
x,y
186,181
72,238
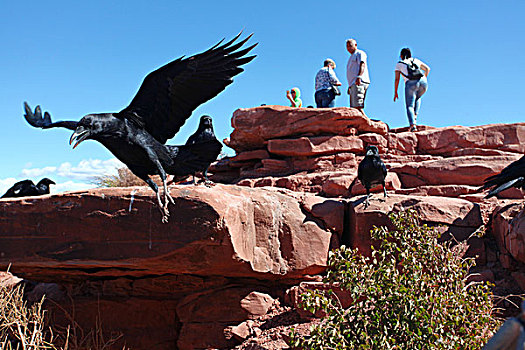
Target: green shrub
x,y
411,293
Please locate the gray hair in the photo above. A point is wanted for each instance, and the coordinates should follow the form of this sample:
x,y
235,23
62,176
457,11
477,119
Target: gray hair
x,y
351,41
329,61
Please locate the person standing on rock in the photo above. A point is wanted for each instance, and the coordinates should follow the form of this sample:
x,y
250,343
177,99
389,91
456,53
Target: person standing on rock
x,y
415,74
357,75
325,80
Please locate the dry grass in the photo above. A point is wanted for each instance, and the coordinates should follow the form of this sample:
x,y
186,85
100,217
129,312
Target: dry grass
x,y
125,178
24,326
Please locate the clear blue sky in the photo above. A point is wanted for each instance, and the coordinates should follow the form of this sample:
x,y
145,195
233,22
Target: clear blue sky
x,y
75,58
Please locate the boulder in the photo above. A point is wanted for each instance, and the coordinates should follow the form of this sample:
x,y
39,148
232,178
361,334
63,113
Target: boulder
x,y
402,143
254,126
242,232
508,228
444,141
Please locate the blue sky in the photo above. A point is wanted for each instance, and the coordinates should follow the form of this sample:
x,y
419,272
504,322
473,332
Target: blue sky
x,y
75,58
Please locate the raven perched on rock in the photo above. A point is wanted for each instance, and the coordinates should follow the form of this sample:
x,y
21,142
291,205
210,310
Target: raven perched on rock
x,y
203,134
371,171
511,176
137,134
26,188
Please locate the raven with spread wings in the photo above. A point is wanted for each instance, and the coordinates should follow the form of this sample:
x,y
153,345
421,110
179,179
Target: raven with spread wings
x,y
167,97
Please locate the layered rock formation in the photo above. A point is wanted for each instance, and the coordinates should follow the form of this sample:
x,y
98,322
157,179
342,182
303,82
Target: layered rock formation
x,y
218,272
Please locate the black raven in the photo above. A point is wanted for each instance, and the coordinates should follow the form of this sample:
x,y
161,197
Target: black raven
x,y
26,188
203,134
511,176
371,171
167,97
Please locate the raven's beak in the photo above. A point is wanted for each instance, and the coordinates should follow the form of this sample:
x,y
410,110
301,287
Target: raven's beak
x,y
79,135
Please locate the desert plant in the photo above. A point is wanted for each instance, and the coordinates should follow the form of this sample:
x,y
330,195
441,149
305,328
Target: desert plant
x,y
22,326
124,178
411,293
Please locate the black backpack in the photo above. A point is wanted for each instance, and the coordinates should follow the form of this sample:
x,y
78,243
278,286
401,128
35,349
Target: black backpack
x,y
413,70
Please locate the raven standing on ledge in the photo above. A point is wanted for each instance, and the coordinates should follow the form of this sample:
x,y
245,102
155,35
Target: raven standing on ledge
x,y
511,176
203,134
371,171
167,97
26,188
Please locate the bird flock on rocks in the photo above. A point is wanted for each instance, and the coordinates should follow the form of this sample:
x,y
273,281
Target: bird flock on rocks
x,y
137,134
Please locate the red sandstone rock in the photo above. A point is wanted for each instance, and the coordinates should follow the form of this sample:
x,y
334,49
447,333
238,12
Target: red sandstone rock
x,y
319,145
218,309
439,190
436,210
253,126
402,143
375,139
467,170
508,228
251,155
323,163
256,303
338,185
242,331
275,165
331,212
479,152
243,232
504,137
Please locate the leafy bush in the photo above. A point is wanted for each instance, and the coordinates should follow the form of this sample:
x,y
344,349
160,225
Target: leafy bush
x,y
411,293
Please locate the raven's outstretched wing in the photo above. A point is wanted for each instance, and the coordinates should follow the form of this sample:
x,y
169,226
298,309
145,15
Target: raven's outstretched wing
x,y
512,175
35,119
168,95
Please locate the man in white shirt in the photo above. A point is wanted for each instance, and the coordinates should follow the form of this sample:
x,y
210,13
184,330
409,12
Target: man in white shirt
x,y
357,75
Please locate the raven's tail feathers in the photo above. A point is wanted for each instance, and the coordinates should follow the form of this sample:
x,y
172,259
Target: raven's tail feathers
x,y
504,186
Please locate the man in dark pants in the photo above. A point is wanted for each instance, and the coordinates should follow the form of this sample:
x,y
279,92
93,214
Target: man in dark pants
x,y
324,79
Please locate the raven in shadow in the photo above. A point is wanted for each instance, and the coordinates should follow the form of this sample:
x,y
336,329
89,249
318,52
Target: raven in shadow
x,y
511,176
203,134
371,171
26,188
137,134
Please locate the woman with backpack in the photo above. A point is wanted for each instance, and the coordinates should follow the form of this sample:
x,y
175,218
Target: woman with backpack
x,y
415,74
